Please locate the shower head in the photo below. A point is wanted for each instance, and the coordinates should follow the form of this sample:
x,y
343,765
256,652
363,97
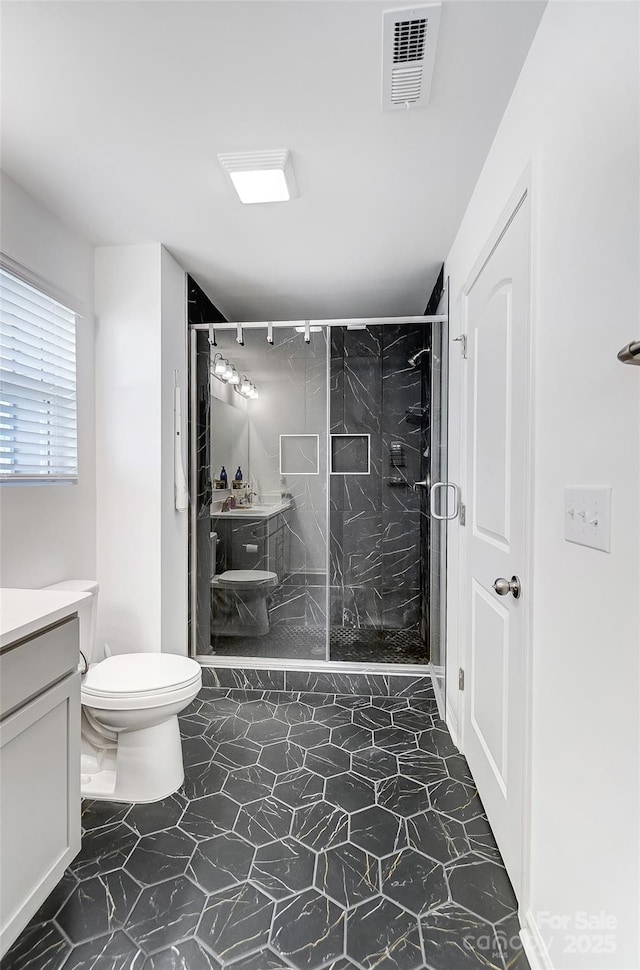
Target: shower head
x,y
413,360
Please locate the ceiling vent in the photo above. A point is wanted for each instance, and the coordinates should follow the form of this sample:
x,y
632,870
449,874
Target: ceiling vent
x,y
409,39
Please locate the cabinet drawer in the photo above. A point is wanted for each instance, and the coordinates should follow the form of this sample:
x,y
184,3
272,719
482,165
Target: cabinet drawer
x,y
28,667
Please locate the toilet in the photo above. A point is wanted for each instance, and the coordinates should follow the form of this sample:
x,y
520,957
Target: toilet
x,y
131,749
239,602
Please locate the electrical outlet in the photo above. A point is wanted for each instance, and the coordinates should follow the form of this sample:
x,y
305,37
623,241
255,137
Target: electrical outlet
x,y
587,517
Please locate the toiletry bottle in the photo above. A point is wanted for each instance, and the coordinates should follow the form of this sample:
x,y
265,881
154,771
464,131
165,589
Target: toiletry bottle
x,y
239,474
223,476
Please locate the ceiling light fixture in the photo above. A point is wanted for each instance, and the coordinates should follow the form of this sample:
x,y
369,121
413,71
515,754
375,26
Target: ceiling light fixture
x,y
261,176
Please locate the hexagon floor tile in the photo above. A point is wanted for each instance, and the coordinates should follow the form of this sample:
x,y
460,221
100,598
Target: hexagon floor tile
x,y
312,832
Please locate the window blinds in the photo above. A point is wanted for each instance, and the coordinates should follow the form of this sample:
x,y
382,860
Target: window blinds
x,y
38,423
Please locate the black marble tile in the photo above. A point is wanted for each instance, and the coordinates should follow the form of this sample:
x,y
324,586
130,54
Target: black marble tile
x,y
362,607
308,930
403,796
196,751
372,717
95,814
439,742
377,831
263,959
351,737
248,784
204,780
454,939
380,934
299,787
333,714
414,881
209,816
348,875
482,887
320,826
327,760
265,731
396,740
458,768
180,898
295,712
481,838
283,868
455,799
422,766
352,701
41,946
408,685
160,856
282,756
437,836
337,683
221,862
188,955
362,395
103,850
98,906
350,792
237,754
267,820
374,763
114,952
243,678
410,720
147,817
256,711
236,922
309,734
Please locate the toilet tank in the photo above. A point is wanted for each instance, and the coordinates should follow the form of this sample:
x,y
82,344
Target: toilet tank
x,y
86,612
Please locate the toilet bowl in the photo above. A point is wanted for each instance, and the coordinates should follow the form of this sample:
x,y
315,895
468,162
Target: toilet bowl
x,y
239,602
131,748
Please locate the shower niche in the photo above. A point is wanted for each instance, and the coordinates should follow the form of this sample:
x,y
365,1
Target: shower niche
x,y
327,551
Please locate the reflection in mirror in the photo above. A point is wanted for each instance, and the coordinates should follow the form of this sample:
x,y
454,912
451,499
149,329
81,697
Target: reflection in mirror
x,y
229,440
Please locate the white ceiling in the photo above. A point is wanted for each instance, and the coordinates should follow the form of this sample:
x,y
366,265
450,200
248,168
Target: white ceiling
x,y
113,114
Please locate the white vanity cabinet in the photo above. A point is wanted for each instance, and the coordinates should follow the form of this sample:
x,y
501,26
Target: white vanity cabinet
x,y
39,762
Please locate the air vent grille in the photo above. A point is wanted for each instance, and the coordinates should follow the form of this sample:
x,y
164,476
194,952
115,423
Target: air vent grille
x,y
409,47
408,40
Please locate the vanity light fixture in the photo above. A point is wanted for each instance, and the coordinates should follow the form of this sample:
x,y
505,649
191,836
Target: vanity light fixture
x,y
261,176
220,366
235,377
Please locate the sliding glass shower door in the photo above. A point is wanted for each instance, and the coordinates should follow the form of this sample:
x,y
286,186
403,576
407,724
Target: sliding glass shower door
x,y
311,537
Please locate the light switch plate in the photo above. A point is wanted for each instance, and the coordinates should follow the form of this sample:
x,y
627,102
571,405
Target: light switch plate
x,y
587,517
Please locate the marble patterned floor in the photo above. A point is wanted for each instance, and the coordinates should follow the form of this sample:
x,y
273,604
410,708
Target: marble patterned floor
x,y
347,644
313,831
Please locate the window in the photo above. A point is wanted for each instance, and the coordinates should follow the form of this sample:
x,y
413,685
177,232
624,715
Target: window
x,y
38,424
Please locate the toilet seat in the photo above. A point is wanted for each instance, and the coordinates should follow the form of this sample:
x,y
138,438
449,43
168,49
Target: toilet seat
x,y
247,577
139,680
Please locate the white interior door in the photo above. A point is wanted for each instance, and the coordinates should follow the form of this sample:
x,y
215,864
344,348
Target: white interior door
x,y
497,314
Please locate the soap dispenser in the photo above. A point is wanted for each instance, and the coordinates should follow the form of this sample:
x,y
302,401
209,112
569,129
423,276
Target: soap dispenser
x,y
223,476
239,474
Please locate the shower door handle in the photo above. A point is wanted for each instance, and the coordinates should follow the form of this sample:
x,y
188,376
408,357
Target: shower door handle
x,y
456,500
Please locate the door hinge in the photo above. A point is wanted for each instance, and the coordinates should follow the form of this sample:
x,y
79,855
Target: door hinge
x,y
460,678
462,340
462,513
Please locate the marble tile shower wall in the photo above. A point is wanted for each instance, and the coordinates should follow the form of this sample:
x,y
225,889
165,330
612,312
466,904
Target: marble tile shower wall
x,y
375,527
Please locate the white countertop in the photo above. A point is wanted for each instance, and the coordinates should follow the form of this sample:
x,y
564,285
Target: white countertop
x,y
256,511
25,611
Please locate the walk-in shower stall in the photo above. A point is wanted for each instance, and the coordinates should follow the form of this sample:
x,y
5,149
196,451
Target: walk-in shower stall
x,y
316,453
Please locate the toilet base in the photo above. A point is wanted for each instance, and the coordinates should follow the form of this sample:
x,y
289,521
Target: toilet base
x,y
146,766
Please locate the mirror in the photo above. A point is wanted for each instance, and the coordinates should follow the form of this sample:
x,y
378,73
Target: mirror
x,y
229,440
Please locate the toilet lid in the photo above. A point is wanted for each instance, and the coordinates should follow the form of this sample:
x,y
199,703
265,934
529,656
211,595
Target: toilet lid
x,y
247,576
140,673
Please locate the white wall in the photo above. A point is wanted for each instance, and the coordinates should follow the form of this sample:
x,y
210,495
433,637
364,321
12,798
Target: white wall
x,y
48,531
141,539
574,115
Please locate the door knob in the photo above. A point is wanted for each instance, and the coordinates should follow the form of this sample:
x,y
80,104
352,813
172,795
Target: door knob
x,y
504,586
